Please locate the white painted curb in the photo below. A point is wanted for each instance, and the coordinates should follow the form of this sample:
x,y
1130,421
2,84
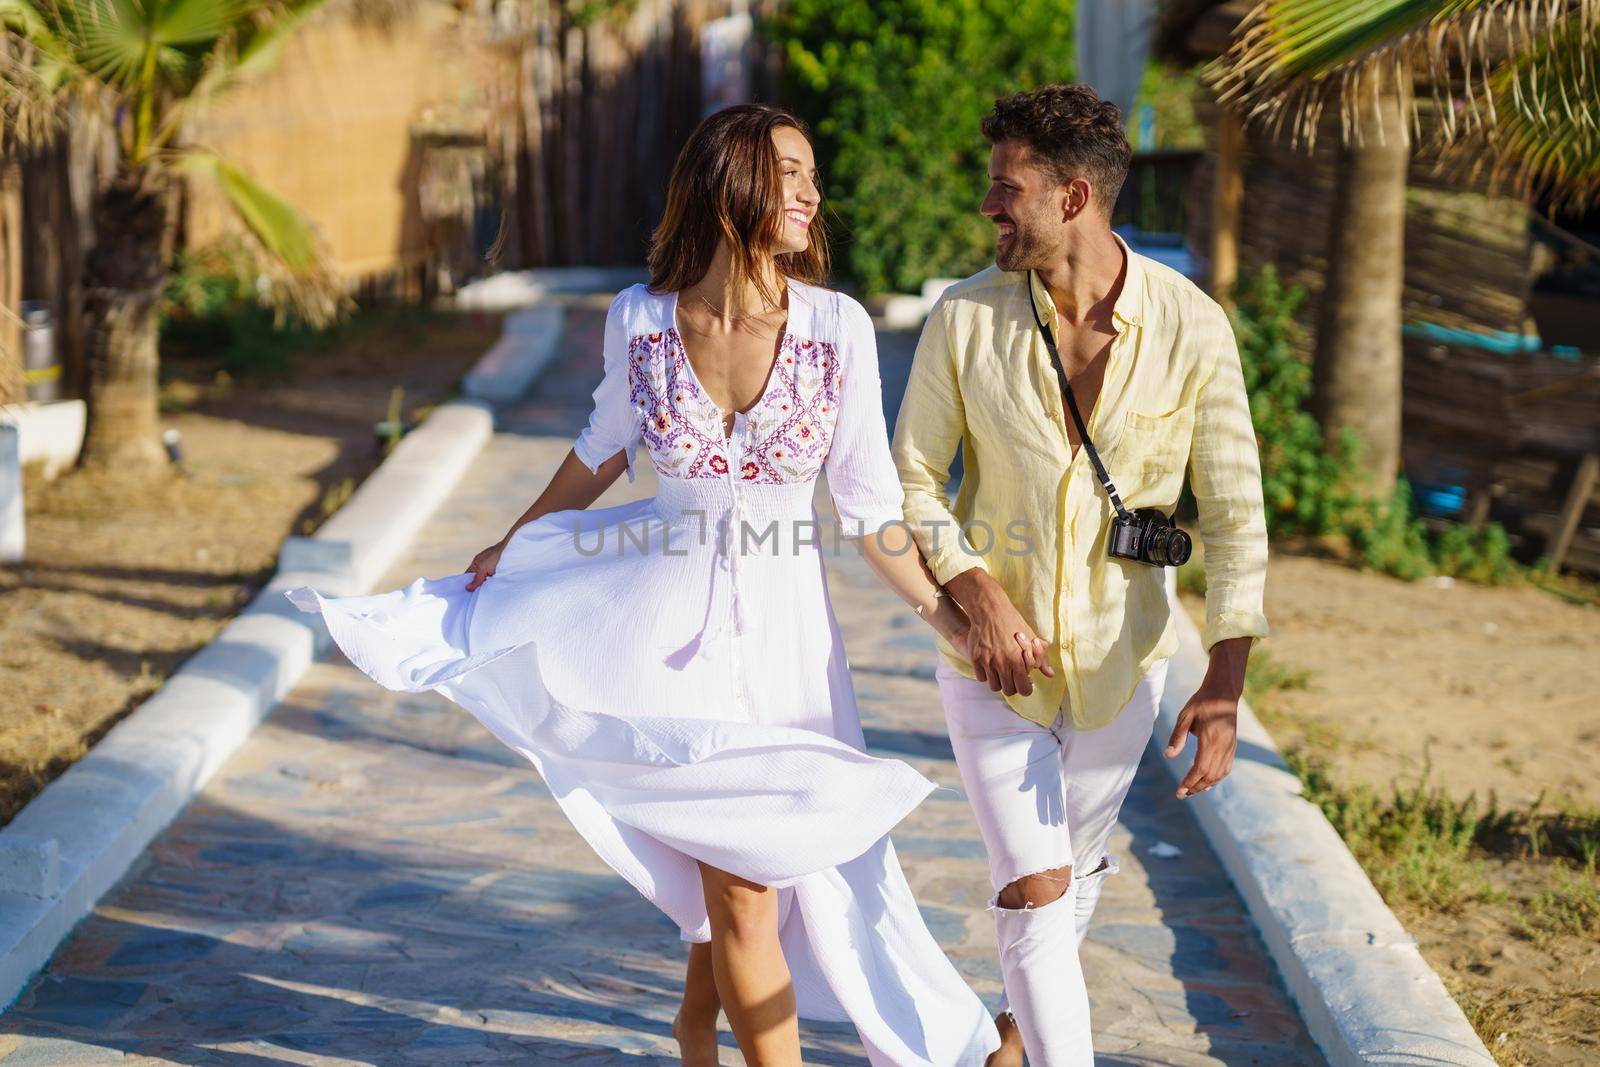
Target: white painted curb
x,y
519,288
51,432
531,338
13,526
904,311
82,832
1365,992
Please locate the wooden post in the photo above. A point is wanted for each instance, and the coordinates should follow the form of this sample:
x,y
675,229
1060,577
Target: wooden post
x,y
1572,511
12,389
1478,510
1227,196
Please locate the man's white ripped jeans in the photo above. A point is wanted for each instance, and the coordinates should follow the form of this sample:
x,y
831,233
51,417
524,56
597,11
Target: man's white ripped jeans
x,y
1046,799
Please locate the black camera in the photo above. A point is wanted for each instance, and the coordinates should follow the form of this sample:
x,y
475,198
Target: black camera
x,y
1147,536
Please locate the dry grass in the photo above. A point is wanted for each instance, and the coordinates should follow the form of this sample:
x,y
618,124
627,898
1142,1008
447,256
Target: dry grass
x,y
1505,901
126,578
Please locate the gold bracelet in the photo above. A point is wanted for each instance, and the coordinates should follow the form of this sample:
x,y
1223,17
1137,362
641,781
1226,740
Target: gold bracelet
x,y
938,591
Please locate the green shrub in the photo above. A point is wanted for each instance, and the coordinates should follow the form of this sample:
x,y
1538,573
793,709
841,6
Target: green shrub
x,y
1476,555
210,310
1416,844
1388,537
1568,904
1307,487
1312,489
895,90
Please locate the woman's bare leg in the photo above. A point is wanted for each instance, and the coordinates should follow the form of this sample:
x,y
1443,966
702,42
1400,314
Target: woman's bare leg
x,y
696,1024
752,978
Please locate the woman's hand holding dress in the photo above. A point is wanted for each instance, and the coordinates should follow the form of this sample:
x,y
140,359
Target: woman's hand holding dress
x,y
483,564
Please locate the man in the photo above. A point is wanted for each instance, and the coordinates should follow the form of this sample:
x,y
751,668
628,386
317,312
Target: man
x,y
1068,645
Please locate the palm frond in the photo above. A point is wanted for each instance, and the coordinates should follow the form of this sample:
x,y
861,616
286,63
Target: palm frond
x,y
257,46
114,39
1292,59
254,49
260,43
30,112
290,257
24,19
190,22
276,223
1547,138
40,75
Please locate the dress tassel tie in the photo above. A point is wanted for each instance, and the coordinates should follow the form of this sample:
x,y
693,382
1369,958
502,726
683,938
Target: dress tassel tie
x,y
729,553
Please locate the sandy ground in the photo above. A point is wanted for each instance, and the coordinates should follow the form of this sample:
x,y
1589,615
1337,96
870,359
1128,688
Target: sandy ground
x,y
1543,996
1492,690
125,579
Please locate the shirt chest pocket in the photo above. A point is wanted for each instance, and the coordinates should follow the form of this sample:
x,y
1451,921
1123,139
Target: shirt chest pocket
x,y
1157,448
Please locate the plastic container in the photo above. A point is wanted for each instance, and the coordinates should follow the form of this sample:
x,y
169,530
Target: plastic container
x,y
41,367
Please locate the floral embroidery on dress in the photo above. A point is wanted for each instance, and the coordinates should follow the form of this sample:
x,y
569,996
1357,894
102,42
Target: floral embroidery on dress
x,y
681,426
787,430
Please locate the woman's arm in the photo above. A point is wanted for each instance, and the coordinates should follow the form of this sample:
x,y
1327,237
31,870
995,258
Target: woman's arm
x,y
867,494
894,558
600,454
573,488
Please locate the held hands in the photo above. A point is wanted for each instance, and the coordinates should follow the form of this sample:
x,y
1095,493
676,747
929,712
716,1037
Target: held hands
x,y
483,564
1002,647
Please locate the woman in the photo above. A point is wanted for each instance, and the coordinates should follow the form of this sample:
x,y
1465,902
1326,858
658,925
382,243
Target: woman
x,y
673,667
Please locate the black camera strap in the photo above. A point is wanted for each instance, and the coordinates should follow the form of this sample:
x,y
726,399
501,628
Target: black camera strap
x,y
1072,406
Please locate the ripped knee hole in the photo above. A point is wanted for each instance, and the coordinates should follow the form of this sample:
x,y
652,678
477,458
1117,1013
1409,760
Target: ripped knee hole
x,y
1036,890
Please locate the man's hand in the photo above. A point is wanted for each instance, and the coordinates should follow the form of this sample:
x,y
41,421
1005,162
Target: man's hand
x,y
1212,715
1003,648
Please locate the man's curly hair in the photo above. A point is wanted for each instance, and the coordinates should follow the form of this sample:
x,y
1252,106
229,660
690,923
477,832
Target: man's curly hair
x,y
1070,132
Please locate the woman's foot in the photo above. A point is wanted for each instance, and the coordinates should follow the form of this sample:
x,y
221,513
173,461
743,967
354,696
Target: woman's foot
x,y
1009,1054
697,1042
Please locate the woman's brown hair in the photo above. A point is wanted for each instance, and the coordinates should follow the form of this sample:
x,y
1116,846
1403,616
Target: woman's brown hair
x,y
727,184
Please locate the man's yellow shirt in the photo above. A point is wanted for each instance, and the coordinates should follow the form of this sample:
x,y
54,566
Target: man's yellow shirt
x,y
1032,514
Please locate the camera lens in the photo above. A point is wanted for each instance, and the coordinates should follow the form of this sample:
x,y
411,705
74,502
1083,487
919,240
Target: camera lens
x,y
1155,542
1178,546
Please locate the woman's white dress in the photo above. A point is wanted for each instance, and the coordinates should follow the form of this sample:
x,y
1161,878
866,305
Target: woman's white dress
x,y
674,670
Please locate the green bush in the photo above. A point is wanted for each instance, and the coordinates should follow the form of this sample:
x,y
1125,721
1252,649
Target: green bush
x,y
1312,489
895,90
1416,844
210,310
1388,536
1476,555
1307,487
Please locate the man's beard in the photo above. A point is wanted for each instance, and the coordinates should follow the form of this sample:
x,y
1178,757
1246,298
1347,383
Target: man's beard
x,y
1022,252
1014,255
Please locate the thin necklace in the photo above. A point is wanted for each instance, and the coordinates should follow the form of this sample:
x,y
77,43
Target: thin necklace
x,y
721,312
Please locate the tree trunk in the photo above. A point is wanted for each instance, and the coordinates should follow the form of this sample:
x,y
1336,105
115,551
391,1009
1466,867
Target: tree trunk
x,y
13,390
87,159
127,273
1227,196
1358,360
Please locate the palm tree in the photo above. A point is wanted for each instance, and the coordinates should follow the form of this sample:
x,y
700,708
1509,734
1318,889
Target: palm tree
x,y
13,389
1516,92
143,69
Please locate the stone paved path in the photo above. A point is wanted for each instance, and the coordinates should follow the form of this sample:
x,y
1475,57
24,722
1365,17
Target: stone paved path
x,y
374,880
